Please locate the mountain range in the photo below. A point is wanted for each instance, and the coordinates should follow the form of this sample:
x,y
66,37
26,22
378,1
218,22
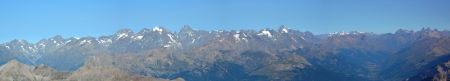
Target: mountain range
x,y
281,54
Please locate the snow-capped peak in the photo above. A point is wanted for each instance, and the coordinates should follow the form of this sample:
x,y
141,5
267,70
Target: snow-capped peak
x,y
283,29
122,35
158,29
265,32
345,33
338,33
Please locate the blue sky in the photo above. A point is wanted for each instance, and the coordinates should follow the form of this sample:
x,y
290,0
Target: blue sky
x,y
34,20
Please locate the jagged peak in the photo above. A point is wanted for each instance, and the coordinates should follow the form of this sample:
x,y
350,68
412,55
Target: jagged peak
x,y
400,31
126,30
338,33
123,33
428,29
19,41
144,30
57,37
186,28
73,38
283,29
342,33
159,29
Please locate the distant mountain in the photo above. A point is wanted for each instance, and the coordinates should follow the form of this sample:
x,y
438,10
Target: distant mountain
x,y
229,55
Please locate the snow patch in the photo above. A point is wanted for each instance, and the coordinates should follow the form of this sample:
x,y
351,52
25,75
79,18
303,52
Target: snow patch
x,y
68,41
190,34
22,48
166,46
236,37
138,37
55,42
32,49
284,30
105,41
338,33
157,29
265,32
85,42
358,32
343,33
171,38
42,45
122,35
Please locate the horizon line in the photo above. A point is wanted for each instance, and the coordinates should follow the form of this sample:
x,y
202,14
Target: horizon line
x,y
227,30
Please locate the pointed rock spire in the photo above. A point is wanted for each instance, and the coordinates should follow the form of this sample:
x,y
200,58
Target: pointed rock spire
x,y
186,28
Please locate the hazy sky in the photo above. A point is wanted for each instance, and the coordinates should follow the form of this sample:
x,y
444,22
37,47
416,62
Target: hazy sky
x,y
37,19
